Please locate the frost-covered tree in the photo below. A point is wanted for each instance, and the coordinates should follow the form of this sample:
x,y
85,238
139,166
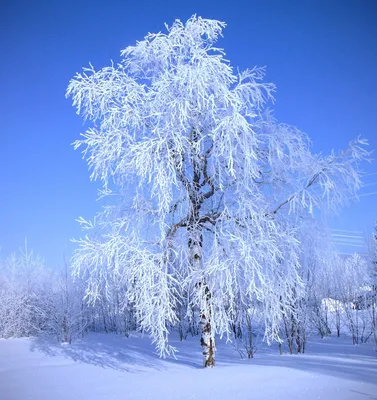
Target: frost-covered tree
x,y
355,287
373,279
20,293
62,306
208,188
298,316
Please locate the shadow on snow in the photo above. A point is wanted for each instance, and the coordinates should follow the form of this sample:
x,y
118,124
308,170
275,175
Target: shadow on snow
x,y
334,357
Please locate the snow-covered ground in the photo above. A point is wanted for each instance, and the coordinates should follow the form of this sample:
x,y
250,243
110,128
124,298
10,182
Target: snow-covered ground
x,y
109,367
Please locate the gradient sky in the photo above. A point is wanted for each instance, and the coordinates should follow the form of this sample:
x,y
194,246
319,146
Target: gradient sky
x,y
322,55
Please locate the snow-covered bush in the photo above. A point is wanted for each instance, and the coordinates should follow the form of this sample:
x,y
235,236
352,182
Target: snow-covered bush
x,y
19,294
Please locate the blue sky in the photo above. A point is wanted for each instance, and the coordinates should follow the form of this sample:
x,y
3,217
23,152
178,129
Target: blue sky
x,y
322,55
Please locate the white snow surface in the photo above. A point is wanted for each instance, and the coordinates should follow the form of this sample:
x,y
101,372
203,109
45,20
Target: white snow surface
x,y
110,367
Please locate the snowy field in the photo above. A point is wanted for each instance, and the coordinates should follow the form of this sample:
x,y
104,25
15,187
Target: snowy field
x,y
109,367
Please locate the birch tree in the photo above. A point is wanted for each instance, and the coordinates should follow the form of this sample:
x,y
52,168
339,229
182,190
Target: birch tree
x,y
204,188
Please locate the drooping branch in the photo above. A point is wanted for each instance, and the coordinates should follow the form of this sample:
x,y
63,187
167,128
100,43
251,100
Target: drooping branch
x,y
309,183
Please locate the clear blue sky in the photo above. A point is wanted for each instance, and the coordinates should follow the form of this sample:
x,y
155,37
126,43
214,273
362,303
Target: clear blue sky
x,y
322,55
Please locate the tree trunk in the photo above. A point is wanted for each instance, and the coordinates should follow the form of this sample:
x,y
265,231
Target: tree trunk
x,y
249,339
65,330
207,339
200,179
374,321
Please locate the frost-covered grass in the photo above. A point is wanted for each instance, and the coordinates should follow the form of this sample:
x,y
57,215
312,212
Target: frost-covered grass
x,y
109,367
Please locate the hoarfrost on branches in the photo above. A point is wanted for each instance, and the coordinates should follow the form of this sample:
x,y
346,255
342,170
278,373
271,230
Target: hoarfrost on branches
x,y
210,188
